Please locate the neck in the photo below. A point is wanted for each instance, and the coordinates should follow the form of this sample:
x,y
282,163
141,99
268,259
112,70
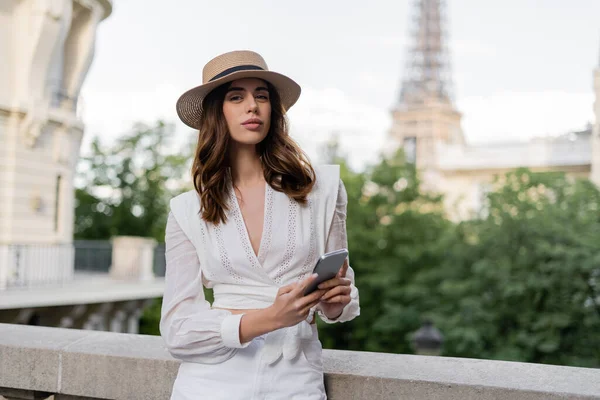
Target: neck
x,y
246,166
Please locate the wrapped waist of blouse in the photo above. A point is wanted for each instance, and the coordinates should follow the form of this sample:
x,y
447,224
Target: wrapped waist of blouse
x,y
243,297
285,342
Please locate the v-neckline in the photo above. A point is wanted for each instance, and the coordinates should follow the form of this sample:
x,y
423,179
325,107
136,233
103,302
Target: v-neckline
x,y
256,256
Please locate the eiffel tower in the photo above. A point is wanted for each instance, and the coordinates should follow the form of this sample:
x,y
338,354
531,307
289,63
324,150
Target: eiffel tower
x,y
427,72
424,115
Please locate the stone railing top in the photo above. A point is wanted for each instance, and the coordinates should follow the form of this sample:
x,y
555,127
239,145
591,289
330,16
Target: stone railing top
x,y
98,288
108,365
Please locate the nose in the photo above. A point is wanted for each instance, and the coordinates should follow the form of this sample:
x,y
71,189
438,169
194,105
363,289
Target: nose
x,y
252,106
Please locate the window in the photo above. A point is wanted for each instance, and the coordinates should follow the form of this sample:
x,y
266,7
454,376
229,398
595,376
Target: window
x,y
57,202
410,149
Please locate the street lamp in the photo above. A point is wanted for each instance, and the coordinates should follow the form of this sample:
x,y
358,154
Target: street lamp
x,y
427,341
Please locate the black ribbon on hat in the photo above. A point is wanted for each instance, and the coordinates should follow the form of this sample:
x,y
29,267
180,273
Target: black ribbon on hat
x,y
236,69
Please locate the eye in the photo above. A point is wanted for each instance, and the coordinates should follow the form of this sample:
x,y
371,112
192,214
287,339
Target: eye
x,y
264,97
235,97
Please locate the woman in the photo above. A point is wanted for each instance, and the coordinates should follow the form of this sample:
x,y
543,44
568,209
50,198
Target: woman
x,y
259,218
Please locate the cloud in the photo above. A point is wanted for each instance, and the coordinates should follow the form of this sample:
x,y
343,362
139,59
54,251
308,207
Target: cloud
x,y
361,128
522,115
467,48
110,113
392,42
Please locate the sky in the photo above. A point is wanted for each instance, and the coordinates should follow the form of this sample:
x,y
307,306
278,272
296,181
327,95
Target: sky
x,y
520,68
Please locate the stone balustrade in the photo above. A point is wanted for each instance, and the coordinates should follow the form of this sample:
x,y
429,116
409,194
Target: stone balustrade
x,y
70,364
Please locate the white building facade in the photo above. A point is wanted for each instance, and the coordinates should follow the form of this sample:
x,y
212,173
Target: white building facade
x,y
46,49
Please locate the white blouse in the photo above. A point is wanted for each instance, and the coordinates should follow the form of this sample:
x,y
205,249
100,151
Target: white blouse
x,y
221,257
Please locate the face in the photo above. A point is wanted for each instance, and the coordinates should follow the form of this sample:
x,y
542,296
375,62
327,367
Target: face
x,y
247,110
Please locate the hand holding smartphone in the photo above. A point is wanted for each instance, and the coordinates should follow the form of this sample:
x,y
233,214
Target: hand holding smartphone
x,y
327,268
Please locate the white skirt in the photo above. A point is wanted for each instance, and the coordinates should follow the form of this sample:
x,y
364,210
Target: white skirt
x,y
246,376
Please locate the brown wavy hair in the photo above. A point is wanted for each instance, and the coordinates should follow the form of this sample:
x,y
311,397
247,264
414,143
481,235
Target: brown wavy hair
x,y
286,167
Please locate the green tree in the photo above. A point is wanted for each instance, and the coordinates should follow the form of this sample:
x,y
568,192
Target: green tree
x,y
124,188
521,283
393,235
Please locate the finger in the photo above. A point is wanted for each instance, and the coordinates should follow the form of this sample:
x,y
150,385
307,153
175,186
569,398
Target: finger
x,y
341,299
331,293
313,297
343,290
343,270
333,282
316,295
286,289
306,282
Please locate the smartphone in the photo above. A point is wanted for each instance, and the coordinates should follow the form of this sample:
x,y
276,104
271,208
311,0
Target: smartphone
x,y
327,268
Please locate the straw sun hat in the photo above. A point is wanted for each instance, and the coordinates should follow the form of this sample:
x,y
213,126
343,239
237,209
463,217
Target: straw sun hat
x,y
229,67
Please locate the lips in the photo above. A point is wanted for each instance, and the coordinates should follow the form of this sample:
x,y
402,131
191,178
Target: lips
x,y
252,124
252,121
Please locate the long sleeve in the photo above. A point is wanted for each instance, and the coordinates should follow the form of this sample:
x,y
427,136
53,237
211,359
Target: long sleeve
x,y
338,240
192,331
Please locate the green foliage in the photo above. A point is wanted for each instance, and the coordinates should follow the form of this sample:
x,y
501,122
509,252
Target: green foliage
x,y
124,188
519,283
522,281
149,322
393,235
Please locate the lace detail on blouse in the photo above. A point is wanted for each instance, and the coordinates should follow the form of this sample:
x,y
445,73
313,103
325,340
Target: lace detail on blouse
x,y
291,242
310,259
225,261
265,242
207,274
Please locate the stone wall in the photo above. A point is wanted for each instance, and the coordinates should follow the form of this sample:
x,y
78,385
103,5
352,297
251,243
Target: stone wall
x,y
69,364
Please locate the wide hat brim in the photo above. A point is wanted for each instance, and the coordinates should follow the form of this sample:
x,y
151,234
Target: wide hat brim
x,y
189,104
